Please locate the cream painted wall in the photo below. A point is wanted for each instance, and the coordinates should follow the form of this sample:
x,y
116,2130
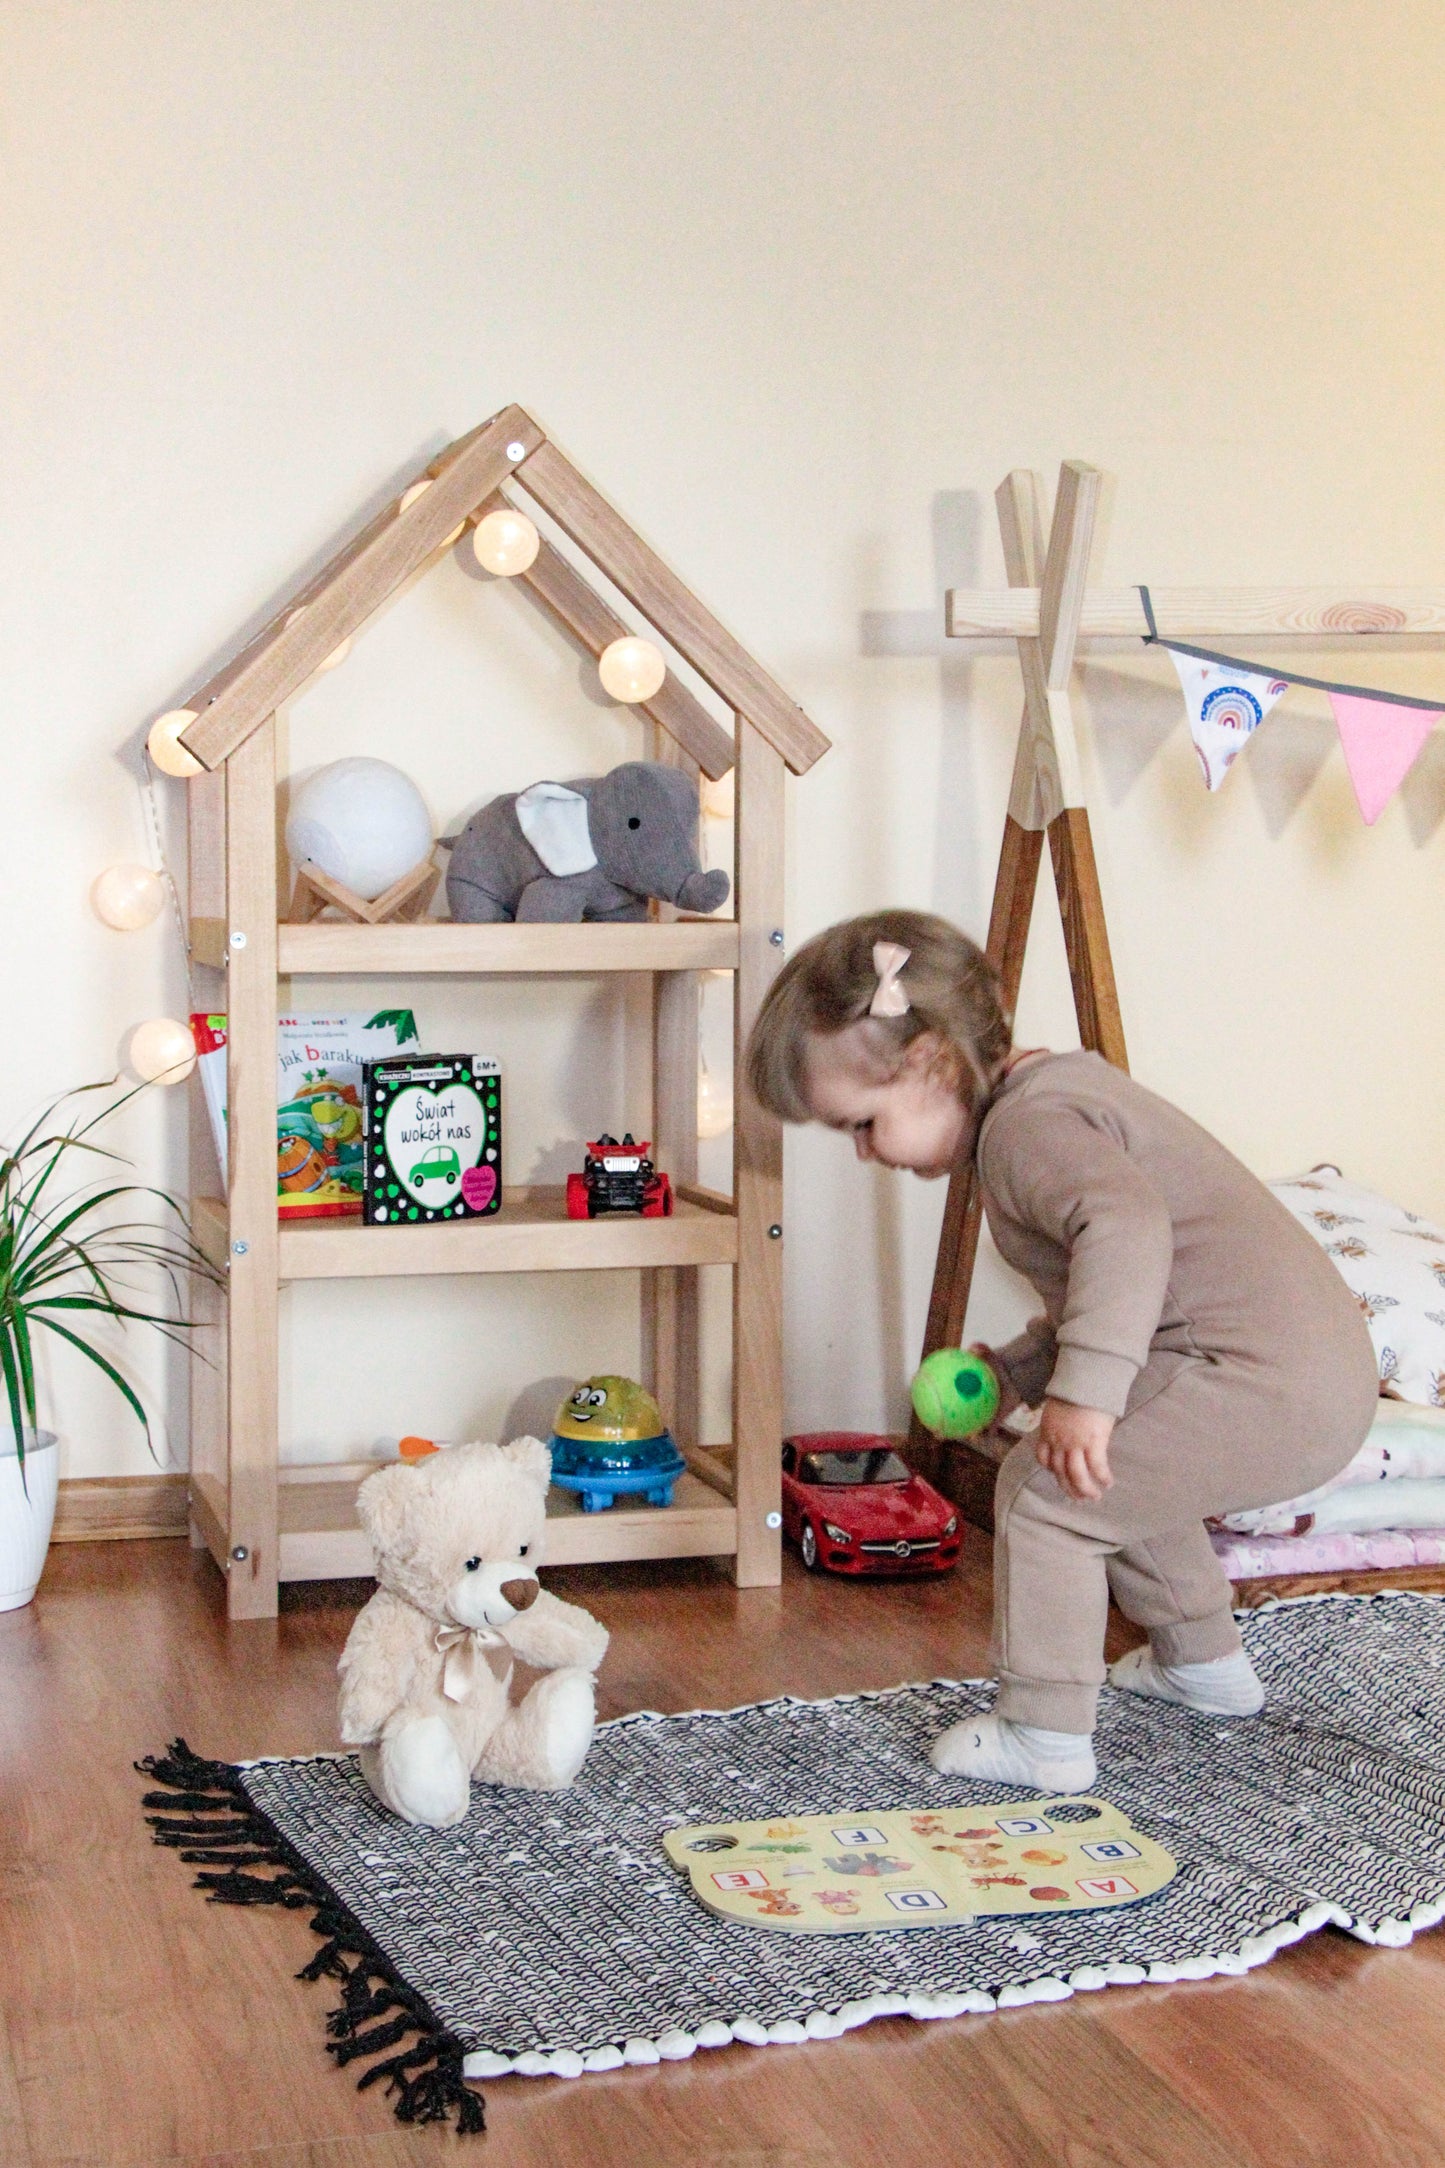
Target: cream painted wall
x,y
796,286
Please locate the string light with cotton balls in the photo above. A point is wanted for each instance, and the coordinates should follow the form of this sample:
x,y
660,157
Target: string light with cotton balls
x,y
714,1105
163,743
505,542
162,1051
631,669
362,822
127,897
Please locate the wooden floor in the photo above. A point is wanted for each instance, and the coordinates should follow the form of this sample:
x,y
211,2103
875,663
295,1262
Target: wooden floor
x,y
139,2025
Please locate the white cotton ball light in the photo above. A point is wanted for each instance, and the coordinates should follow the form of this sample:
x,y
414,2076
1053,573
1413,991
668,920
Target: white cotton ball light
x,y
127,897
506,543
714,1107
362,822
631,669
163,743
162,1051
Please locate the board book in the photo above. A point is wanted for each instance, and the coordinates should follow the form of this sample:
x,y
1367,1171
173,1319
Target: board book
x,y
432,1139
320,1063
836,1874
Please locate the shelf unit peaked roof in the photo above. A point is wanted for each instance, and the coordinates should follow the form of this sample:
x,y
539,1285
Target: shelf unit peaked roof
x,y
465,481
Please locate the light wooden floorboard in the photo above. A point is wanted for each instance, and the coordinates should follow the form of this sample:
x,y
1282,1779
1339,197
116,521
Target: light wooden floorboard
x,y
143,2027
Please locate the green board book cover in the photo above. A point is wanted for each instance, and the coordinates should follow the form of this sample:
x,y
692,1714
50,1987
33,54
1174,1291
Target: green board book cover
x,y
433,1139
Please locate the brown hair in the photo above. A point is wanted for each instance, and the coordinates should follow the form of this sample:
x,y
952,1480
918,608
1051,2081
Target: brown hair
x,y
952,991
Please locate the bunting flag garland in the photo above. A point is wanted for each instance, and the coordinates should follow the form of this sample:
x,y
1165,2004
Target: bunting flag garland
x,y
1381,741
1226,706
1381,734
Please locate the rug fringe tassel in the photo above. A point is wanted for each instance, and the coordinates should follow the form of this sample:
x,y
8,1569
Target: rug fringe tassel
x,y
205,1806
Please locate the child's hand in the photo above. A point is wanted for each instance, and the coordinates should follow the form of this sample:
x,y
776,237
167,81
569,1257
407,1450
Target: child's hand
x,y
1008,1399
1073,1444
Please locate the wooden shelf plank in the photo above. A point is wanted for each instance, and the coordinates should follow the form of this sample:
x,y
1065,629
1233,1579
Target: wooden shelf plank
x,y
1192,613
531,1233
320,1539
325,946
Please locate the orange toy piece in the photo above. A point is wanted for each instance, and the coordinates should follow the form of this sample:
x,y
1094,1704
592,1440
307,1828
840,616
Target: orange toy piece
x,y
415,1449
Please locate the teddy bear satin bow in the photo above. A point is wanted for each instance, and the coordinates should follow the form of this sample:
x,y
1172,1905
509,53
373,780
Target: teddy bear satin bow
x,y
459,1648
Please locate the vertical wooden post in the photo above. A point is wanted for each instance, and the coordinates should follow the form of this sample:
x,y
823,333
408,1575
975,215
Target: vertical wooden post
x,y
254,1250
206,899
757,1174
670,1295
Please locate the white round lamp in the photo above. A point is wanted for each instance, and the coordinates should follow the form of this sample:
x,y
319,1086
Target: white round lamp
x,y
362,822
419,489
162,1051
505,543
714,1106
631,669
127,897
163,742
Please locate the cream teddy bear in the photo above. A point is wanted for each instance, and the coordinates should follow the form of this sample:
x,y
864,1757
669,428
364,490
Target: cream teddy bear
x,y
458,1538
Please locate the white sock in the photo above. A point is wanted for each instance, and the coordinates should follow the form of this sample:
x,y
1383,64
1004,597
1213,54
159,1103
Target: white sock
x,y
998,1752
1228,1686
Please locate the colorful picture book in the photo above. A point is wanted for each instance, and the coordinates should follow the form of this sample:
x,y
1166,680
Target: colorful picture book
x,y
320,1064
433,1139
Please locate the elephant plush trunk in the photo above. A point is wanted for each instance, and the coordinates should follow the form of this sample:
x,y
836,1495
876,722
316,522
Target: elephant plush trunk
x,y
703,891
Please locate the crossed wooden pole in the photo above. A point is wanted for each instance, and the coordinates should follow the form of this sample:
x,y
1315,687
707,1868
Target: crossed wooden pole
x,y
1046,798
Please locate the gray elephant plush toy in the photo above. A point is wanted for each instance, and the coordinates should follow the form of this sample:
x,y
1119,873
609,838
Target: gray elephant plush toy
x,y
592,849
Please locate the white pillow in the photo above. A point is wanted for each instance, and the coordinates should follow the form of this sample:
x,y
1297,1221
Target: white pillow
x,y
1405,1444
1380,1505
1394,1262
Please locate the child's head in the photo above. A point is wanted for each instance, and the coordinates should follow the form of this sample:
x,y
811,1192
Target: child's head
x,y
906,1071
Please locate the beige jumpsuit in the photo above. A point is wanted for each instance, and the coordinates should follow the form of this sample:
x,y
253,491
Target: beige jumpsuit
x,y
1181,1297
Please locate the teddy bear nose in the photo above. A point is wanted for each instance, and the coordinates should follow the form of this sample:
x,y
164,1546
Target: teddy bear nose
x,y
520,1594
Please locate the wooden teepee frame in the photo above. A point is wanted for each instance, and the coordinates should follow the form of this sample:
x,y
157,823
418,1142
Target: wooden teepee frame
x,y
264,1524
1047,609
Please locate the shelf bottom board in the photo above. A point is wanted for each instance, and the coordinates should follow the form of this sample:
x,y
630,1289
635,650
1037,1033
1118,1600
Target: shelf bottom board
x,y
320,1540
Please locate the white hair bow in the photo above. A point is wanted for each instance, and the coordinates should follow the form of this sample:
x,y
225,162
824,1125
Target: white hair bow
x,y
889,998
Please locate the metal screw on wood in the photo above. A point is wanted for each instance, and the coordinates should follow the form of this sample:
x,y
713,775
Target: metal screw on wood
x,y
775,1233
238,939
239,1249
773,1520
516,451
240,1554
776,937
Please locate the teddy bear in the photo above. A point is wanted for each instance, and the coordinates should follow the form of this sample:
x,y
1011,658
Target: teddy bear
x,y
596,848
458,1537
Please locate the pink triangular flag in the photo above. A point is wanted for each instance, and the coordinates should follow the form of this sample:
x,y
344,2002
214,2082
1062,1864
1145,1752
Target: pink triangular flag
x,y
1381,740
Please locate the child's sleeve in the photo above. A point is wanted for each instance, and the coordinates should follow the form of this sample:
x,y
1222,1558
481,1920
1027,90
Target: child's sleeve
x,y
1057,1175
1028,1360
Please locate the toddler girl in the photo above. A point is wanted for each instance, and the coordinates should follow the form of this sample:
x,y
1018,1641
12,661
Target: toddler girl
x,y
1198,1354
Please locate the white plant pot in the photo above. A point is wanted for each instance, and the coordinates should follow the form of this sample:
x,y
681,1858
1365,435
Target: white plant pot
x,y
27,1512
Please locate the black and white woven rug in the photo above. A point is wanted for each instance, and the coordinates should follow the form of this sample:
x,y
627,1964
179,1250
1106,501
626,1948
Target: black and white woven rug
x,y
548,1934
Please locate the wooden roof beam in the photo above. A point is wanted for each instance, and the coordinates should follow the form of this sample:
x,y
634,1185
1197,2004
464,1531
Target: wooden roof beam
x,y
640,574
355,584
560,588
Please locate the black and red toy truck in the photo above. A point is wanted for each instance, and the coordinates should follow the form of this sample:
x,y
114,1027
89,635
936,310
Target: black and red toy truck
x,y
618,1178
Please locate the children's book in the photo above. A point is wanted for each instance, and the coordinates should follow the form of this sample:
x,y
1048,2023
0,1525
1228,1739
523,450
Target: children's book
x,y
320,1061
433,1139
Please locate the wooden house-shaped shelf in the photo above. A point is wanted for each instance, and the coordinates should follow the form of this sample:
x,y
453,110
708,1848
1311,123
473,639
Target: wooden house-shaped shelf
x,y
265,1523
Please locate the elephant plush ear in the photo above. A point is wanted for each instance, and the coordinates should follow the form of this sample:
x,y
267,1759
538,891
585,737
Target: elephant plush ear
x,y
554,821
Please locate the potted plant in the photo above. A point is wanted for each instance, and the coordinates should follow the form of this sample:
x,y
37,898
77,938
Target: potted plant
x,y
71,1254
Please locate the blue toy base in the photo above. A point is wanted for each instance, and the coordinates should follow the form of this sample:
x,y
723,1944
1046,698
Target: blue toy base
x,y
602,1487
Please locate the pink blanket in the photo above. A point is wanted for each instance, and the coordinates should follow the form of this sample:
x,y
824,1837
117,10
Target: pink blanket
x,y
1247,1558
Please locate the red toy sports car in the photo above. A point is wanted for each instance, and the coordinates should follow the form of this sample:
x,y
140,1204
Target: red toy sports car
x,y
851,1506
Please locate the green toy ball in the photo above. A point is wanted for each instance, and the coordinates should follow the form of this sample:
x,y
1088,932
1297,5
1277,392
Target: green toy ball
x,y
955,1394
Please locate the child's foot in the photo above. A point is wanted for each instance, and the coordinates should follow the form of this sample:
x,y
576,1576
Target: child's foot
x,y
998,1752
1229,1686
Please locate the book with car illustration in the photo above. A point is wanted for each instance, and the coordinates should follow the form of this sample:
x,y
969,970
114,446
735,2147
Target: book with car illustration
x,y
432,1139
320,1062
